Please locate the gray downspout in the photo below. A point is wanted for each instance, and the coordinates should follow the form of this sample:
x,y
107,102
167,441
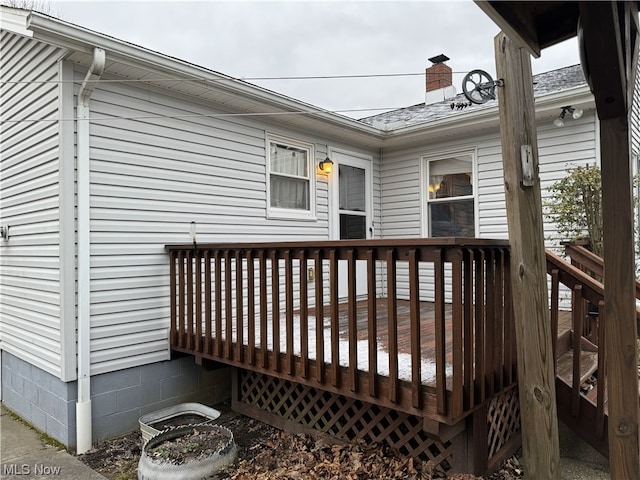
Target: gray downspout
x,y
83,405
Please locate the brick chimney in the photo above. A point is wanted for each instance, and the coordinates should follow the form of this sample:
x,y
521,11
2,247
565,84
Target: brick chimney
x,y
439,80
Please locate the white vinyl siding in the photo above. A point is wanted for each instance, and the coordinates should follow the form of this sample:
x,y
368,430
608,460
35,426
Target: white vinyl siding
x,y
402,211
168,162
30,319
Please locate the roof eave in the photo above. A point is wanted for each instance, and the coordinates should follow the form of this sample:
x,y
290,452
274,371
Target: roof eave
x,y
83,40
546,106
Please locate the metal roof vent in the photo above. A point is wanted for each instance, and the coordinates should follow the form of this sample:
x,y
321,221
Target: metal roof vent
x,y
439,59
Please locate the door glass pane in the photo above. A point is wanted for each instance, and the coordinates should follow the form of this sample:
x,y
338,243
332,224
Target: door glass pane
x,y
452,219
352,227
352,188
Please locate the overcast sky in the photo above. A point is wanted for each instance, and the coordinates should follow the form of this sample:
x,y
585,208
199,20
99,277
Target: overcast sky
x,y
248,39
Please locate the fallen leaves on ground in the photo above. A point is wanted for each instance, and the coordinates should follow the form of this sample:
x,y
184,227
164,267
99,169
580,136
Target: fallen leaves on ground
x,y
293,457
266,453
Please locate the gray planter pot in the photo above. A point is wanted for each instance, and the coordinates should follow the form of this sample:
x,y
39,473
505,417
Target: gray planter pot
x,y
193,413
150,468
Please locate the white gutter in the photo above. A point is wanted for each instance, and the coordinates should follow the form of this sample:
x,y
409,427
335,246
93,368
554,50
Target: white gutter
x,y
83,405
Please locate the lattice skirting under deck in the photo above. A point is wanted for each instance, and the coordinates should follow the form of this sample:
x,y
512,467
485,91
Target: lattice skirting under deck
x,y
297,407
503,419
339,416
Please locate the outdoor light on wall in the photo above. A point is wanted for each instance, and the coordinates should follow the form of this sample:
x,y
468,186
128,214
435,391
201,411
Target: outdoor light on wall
x,y
326,165
576,113
4,233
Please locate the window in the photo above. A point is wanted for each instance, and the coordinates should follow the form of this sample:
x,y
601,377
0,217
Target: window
x,y
450,196
291,186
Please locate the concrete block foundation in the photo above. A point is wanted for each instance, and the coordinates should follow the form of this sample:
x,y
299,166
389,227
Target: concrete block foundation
x,y
118,398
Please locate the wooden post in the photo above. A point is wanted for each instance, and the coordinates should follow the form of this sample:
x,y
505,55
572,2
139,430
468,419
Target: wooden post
x,y
528,270
619,299
613,27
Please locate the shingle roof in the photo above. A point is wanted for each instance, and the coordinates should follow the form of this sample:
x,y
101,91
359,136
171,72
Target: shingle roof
x,y
543,84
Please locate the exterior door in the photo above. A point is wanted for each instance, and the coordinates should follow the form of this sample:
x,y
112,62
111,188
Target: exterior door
x,y
352,212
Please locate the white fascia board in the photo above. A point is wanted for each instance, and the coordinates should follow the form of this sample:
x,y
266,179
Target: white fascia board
x,y
84,40
546,106
579,96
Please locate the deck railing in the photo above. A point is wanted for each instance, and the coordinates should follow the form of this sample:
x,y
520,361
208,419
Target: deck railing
x,y
584,277
275,308
593,265
584,339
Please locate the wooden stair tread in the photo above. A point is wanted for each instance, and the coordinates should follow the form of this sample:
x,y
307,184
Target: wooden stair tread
x,y
588,366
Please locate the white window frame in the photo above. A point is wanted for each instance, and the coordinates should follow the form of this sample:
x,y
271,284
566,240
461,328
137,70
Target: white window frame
x,y
292,213
425,201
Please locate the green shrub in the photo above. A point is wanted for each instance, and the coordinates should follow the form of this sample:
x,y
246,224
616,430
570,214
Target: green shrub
x,y
575,205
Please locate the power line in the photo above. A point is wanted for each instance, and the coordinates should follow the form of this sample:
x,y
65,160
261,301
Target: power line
x,y
228,79
203,115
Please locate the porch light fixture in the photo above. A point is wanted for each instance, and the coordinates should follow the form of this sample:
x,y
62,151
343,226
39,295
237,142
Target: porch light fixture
x,y
4,233
576,113
326,165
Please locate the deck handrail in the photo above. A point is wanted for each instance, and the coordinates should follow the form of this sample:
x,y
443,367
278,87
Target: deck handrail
x,y
592,264
229,304
583,335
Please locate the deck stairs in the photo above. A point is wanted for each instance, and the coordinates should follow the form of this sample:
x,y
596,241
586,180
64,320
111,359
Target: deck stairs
x,y
579,347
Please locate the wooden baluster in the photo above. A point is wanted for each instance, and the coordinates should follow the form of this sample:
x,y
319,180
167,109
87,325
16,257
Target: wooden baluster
x,y
198,301
352,321
490,321
601,394
181,341
189,300
372,333
414,319
319,316
228,306
555,311
509,322
264,345
499,344
304,315
480,353
275,305
335,319
207,302
457,344
440,334
239,308
392,315
467,270
577,309
173,301
218,292
251,307
288,275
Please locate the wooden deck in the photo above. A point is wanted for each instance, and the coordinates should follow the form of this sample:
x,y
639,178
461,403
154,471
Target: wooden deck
x,y
436,321
247,293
